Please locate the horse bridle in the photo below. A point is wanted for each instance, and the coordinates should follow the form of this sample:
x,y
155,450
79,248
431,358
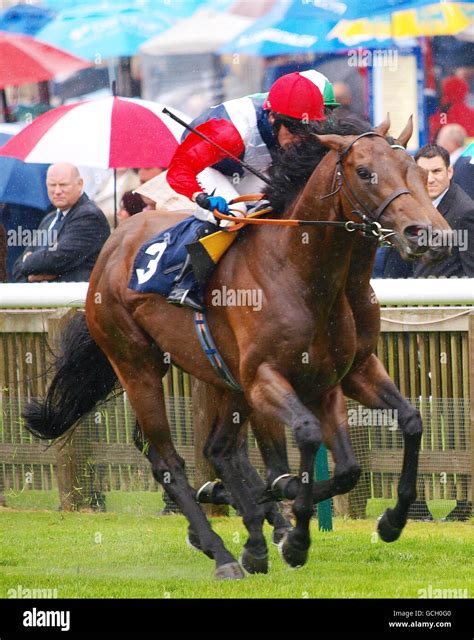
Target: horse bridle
x,y
370,219
369,226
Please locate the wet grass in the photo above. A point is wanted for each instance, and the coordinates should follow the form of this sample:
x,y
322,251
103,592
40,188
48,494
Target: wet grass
x,y
138,555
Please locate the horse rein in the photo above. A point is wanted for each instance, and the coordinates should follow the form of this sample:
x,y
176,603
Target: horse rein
x,y
369,226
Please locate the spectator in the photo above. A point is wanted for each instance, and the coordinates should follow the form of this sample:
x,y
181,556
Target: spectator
x,y
159,195
20,221
343,95
458,210
145,174
453,138
463,174
130,204
453,108
127,180
72,236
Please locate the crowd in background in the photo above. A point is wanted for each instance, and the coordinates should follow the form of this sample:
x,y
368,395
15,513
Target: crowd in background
x,y
450,186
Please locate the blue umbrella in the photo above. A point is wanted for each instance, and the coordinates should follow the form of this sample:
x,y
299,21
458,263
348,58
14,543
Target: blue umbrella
x,y
25,18
23,183
296,27
111,30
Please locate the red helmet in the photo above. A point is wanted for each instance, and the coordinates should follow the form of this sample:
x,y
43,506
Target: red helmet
x,y
295,96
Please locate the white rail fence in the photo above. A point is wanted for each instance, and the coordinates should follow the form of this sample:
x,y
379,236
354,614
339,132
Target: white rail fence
x,y
396,293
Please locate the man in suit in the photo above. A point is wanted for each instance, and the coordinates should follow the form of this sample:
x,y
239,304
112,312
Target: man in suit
x,y
453,138
458,210
69,239
463,174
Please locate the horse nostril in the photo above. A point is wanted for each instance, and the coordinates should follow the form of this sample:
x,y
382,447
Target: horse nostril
x,y
414,232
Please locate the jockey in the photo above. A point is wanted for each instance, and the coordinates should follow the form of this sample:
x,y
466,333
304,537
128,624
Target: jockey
x,y
251,128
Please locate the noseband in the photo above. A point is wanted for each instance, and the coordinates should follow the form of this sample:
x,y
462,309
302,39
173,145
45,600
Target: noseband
x,y
359,209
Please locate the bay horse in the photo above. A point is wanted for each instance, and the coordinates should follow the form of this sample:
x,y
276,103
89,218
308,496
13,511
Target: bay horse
x,y
312,341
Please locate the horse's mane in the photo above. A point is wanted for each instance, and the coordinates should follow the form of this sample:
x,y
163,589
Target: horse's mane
x,y
294,165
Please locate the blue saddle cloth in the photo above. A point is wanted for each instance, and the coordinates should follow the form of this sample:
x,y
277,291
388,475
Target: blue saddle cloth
x,y
160,259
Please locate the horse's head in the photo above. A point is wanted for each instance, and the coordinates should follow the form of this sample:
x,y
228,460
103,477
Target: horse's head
x,y
380,182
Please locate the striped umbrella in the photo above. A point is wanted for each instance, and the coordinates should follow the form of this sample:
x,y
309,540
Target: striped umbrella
x,y
436,19
111,132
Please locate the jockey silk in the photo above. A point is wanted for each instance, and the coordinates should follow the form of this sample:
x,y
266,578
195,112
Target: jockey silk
x,y
240,126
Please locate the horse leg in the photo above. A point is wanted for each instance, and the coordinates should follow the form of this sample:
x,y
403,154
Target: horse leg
x,y
222,449
271,439
272,395
215,492
370,385
332,412
143,384
257,487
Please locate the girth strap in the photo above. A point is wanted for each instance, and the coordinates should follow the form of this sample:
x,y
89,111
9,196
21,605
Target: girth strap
x,y
210,349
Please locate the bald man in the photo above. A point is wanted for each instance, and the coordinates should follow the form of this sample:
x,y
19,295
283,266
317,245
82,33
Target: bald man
x,y
65,246
452,137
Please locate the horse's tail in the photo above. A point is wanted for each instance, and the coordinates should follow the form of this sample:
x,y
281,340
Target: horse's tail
x,y
83,377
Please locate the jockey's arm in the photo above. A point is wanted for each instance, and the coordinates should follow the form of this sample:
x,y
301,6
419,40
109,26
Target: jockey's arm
x,y
195,154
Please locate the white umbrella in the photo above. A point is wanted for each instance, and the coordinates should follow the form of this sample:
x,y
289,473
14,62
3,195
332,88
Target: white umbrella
x,y
204,32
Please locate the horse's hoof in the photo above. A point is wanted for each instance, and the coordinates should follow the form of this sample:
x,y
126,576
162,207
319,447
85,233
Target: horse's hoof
x,y
254,564
294,557
229,571
387,531
279,534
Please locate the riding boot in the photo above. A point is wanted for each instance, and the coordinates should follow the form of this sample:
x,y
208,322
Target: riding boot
x,y
184,295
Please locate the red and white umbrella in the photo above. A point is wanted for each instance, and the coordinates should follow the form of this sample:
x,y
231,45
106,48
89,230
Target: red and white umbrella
x,y
25,59
107,133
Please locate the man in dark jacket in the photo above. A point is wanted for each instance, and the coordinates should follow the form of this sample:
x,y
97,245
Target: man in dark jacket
x,y
464,174
68,240
458,210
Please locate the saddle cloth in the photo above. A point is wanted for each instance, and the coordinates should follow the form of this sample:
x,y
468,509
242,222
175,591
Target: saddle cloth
x,y
160,259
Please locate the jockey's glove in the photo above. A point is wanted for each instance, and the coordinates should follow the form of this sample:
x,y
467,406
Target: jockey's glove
x,y
213,202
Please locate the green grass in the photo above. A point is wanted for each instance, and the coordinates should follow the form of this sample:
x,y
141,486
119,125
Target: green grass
x,y
114,555
151,502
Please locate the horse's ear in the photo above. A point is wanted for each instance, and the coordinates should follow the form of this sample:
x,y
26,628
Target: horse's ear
x,y
384,126
406,134
332,141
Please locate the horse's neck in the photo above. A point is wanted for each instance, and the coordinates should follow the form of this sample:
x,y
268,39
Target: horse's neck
x,y
320,254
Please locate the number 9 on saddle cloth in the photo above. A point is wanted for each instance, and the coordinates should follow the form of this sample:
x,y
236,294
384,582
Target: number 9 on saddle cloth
x,y
161,259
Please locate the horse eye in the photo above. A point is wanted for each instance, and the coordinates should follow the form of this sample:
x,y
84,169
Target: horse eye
x,y
363,173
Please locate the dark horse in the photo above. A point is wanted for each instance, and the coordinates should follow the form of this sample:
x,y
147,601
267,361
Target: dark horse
x,y
312,342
